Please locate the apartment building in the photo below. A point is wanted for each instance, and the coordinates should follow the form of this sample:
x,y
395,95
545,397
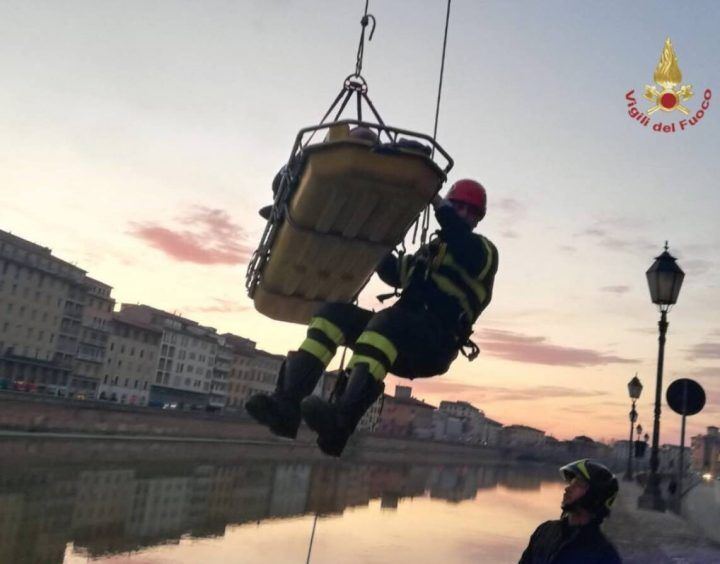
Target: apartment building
x,y
218,396
705,452
185,369
522,436
254,371
129,368
491,432
89,362
242,350
471,417
405,416
41,306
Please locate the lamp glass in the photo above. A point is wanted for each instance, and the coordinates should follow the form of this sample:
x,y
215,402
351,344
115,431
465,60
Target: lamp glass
x,y
635,388
665,279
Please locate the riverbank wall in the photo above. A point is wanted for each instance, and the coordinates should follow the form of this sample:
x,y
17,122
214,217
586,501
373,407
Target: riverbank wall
x,y
26,416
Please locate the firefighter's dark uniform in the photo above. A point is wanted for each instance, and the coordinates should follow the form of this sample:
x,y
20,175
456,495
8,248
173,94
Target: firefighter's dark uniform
x,y
445,286
556,542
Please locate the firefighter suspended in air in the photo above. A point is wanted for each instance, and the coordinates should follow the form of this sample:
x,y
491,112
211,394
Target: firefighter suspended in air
x,y
443,289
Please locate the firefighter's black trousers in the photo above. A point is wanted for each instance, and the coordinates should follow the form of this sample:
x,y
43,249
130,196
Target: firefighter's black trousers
x,y
408,341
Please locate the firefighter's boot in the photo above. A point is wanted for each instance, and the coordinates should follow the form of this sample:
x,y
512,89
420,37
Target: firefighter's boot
x,y
335,422
280,411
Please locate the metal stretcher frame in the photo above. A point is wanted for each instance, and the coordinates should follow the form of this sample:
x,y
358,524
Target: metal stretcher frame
x,y
340,207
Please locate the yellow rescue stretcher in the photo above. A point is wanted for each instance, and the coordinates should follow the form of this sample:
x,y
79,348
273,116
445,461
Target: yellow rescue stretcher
x,y
342,205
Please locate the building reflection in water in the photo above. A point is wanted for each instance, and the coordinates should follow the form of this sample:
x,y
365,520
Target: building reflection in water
x,y
123,508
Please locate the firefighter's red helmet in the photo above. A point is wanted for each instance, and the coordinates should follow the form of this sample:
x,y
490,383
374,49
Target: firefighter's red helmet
x,y
469,192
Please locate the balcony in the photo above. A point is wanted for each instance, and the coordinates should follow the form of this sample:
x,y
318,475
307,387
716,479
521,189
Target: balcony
x,y
63,360
90,356
73,311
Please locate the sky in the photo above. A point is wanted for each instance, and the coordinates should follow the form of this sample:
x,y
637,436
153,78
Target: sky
x,y
139,139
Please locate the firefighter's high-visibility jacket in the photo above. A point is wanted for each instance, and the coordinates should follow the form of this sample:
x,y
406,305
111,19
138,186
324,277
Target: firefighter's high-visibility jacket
x,y
452,276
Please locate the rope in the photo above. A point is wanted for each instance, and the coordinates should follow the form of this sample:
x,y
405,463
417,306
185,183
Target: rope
x,y
312,537
426,212
442,72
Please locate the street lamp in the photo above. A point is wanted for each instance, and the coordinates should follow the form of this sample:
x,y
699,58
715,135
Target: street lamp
x,y
664,278
634,389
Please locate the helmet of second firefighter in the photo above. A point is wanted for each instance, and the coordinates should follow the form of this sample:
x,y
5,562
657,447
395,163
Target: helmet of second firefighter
x,y
603,485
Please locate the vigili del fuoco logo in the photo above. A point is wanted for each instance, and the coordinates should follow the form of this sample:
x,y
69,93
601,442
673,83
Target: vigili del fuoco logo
x,y
668,96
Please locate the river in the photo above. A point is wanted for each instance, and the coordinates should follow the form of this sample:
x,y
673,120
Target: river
x,y
161,506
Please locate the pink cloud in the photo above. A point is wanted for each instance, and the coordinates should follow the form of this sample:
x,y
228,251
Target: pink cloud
x,y
616,289
509,205
535,350
213,239
221,306
704,372
609,233
704,350
435,390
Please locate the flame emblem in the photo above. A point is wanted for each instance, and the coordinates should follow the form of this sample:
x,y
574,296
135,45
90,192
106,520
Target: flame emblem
x,y
667,74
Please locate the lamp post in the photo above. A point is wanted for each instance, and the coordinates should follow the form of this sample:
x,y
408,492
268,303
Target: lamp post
x,y
634,389
664,278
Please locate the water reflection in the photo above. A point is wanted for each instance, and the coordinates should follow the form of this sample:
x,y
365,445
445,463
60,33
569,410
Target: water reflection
x,y
119,508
